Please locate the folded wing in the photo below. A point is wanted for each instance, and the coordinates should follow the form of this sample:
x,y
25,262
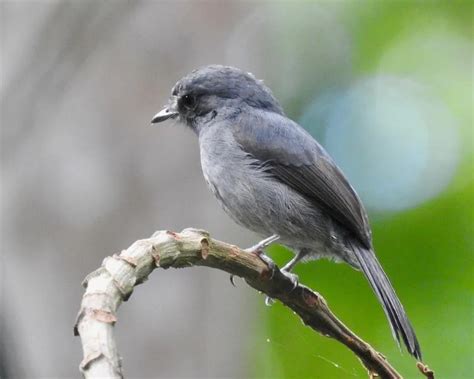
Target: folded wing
x,y
292,156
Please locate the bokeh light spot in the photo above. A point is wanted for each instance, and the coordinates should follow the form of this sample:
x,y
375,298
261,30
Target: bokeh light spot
x,y
397,142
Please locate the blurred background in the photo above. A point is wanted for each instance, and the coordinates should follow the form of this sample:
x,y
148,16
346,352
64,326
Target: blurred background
x,y
386,87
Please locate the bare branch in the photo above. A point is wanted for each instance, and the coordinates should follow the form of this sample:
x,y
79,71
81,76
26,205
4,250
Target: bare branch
x,y
113,283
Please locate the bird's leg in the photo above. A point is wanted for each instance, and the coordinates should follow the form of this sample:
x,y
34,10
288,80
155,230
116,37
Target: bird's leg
x,y
286,269
258,248
258,251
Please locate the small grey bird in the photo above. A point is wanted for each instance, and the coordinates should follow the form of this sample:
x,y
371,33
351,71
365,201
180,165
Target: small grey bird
x,y
273,177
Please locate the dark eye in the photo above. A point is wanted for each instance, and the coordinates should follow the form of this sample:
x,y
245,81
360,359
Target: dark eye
x,y
188,101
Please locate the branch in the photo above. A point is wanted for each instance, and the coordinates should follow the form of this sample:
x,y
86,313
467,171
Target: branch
x,y
113,283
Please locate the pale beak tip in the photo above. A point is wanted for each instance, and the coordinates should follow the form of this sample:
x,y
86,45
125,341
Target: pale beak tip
x,y
163,115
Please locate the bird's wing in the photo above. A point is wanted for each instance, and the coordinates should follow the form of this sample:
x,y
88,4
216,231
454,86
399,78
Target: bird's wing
x,y
292,156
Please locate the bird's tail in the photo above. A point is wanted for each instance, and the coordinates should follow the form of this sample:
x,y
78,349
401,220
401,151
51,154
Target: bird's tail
x,y
384,291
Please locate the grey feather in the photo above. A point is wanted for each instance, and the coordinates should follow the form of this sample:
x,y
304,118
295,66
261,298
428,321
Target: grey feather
x,y
399,323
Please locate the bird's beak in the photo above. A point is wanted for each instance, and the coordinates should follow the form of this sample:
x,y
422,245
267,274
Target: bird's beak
x,y
167,112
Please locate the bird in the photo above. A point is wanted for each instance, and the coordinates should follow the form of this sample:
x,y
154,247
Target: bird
x,y
273,178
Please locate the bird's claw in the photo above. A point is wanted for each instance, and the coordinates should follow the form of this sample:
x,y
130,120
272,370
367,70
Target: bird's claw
x,y
269,262
269,301
258,250
293,277
294,280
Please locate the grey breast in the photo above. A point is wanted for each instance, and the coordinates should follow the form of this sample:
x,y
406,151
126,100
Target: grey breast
x,y
254,199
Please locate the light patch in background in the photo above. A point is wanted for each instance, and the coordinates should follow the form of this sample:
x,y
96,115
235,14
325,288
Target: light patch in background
x,y
295,47
397,142
435,53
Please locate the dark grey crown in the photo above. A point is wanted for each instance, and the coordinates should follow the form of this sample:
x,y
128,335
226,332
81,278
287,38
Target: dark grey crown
x,y
228,83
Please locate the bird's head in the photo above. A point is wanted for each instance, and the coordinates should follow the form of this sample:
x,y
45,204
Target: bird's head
x,y
214,89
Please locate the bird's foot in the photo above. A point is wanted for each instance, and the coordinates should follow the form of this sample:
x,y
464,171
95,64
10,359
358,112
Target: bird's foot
x,y
272,267
293,277
268,261
285,271
258,251
294,280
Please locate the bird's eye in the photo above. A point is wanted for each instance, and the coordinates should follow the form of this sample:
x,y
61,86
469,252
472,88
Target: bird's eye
x,y
188,101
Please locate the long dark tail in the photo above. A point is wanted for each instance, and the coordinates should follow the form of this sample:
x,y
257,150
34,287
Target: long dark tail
x,y
384,291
